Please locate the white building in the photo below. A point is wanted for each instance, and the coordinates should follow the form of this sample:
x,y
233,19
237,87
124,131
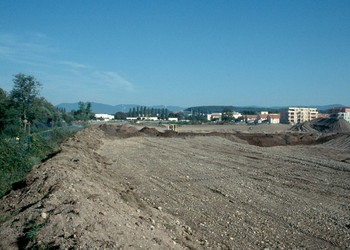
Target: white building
x,y
236,114
273,118
294,115
105,117
173,119
214,117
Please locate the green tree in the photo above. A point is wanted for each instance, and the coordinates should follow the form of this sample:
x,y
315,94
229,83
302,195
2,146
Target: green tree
x,y
84,112
4,102
120,116
23,94
227,114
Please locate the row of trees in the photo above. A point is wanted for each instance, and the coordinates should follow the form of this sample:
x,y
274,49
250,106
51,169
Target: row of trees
x,y
143,111
84,113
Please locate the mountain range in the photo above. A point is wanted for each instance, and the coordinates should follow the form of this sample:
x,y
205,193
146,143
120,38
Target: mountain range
x,y
101,108
112,109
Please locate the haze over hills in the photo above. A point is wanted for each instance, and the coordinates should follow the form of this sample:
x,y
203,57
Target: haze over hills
x,y
112,109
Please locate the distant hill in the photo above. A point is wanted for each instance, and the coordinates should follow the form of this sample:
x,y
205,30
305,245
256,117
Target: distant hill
x,y
326,107
256,109
215,109
110,109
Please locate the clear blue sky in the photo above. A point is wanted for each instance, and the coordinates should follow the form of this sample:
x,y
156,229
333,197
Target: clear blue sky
x,y
182,52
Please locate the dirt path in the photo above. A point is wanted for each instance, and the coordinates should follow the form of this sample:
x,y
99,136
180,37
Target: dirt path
x,y
195,192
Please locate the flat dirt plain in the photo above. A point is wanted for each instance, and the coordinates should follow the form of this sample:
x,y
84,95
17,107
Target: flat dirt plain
x,y
203,187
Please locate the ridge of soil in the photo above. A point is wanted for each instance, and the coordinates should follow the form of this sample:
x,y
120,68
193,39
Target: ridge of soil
x,y
257,139
324,125
124,187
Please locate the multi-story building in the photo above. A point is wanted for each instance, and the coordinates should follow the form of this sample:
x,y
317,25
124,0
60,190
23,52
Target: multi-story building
x,y
296,115
341,113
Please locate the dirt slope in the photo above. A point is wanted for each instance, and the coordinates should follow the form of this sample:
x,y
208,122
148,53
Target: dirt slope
x,y
325,125
161,191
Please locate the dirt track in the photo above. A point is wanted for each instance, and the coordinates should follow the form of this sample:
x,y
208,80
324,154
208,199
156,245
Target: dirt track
x,y
175,192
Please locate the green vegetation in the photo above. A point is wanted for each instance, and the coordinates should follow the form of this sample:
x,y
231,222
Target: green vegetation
x,y
29,239
31,129
144,111
84,113
120,116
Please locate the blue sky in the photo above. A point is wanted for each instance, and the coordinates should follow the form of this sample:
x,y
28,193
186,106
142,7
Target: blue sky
x,y
186,53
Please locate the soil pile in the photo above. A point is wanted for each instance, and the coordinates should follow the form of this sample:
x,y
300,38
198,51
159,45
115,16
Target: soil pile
x,y
150,131
325,125
342,142
121,131
76,200
257,139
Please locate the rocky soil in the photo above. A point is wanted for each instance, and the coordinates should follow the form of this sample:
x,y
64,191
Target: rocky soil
x,y
204,187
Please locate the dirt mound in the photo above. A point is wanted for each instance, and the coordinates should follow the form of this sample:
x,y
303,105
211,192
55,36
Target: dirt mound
x,y
342,142
325,125
76,200
150,131
119,130
257,139
286,139
170,133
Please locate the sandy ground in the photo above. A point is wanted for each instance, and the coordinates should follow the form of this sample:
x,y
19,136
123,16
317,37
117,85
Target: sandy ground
x,y
105,191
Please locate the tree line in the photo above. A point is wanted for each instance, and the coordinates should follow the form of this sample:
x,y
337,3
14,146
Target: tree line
x,y
143,111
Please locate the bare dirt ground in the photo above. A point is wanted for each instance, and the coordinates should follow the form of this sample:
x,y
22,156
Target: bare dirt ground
x,y
206,187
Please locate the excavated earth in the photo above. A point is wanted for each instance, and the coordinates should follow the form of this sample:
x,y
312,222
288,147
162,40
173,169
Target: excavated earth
x,y
203,187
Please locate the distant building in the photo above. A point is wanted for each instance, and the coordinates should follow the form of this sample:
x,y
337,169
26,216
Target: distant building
x,y
236,114
150,118
214,117
250,118
294,115
273,118
105,117
265,117
262,117
341,113
173,119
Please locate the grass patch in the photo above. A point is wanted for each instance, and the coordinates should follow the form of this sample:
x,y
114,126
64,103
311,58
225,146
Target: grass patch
x,y
30,234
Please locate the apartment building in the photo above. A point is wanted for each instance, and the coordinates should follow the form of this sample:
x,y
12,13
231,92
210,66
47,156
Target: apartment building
x,y
341,113
294,115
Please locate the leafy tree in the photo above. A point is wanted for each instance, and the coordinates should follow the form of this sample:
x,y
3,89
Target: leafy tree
x,y
120,116
84,112
46,115
4,102
23,94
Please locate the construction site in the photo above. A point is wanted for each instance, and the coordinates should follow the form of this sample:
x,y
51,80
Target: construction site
x,y
269,186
